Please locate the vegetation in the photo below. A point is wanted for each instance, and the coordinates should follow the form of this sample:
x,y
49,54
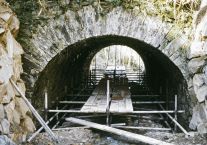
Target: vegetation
x,y
36,12
174,11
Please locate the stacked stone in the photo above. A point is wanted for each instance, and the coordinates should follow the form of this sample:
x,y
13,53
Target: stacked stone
x,y
198,69
15,117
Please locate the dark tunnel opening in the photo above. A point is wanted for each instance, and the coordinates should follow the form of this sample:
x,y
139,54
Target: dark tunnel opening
x,y
68,70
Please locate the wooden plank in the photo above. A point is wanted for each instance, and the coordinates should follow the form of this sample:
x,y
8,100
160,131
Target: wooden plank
x,y
141,128
129,135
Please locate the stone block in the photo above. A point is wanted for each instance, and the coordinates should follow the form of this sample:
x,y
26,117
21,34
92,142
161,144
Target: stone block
x,y
4,140
28,124
199,116
201,93
196,50
202,128
21,107
6,69
4,126
2,114
9,108
195,65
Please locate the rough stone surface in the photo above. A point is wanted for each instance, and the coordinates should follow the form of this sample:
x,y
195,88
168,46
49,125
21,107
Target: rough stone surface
x,y
10,68
4,126
198,69
4,140
2,114
60,32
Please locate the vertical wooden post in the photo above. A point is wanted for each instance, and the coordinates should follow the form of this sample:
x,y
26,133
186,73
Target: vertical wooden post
x,y
46,105
167,95
57,103
176,111
108,101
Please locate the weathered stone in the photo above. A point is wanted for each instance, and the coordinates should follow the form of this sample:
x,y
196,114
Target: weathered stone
x,y
6,69
6,99
4,140
198,81
2,114
199,116
9,108
16,117
2,92
21,107
10,90
4,126
28,124
196,50
195,65
201,93
202,128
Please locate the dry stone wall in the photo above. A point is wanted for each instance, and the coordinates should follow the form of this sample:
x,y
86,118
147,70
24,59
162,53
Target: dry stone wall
x,y
15,117
198,69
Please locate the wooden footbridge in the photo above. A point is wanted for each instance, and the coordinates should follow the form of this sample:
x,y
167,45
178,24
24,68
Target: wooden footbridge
x,y
111,97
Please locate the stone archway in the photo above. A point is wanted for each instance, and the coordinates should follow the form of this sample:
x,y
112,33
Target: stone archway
x,y
72,27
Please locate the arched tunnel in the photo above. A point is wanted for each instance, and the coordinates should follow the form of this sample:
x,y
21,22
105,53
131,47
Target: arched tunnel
x,y
68,69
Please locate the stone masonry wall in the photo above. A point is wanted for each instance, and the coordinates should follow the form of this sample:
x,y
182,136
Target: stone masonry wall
x,y
15,117
198,69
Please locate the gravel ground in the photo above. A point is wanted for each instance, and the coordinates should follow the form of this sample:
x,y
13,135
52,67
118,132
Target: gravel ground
x,y
82,136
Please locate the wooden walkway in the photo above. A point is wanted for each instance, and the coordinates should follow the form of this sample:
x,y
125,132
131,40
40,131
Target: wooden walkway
x,y
120,100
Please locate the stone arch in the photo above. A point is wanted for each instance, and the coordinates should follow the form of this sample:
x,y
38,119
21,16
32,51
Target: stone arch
x,y
72,27
67,68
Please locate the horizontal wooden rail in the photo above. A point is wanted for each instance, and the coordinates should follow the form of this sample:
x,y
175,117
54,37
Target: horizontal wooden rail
x,y
135,102
134,112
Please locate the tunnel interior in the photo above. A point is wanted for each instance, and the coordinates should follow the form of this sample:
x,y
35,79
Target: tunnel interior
x,y
68,71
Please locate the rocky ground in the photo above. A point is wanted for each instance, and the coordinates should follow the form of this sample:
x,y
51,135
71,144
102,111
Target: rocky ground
x,y
85,136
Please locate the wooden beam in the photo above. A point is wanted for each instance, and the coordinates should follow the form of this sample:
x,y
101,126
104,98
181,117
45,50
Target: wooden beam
x,y
35,113
129,135
72,102
148,102
145,95
141,128
133,112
